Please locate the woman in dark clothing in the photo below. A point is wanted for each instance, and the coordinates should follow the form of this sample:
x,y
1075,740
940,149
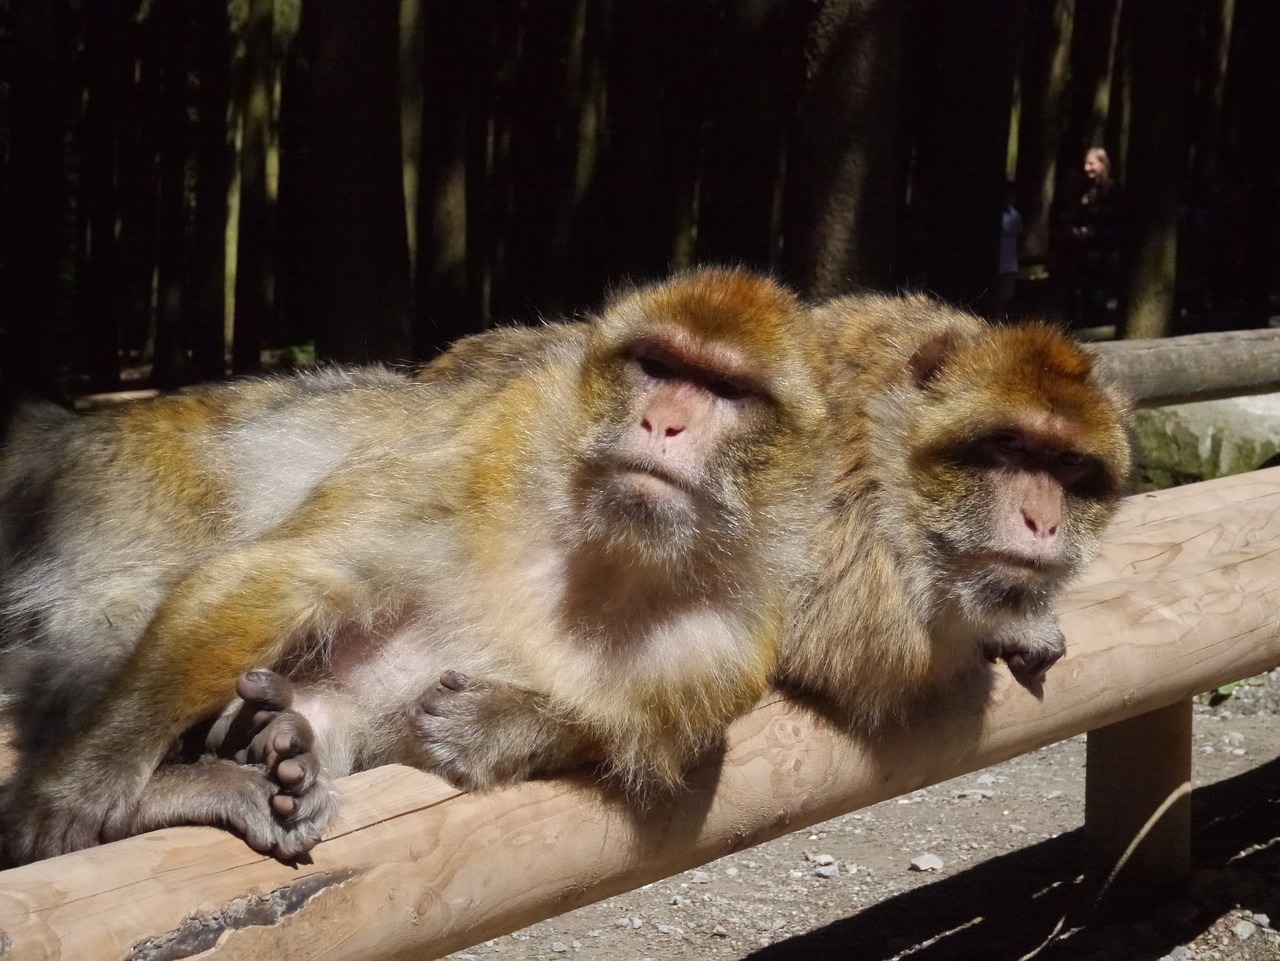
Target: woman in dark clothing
x,y
1091,236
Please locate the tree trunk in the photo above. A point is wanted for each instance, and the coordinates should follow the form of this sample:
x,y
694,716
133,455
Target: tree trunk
x,y
1093,51
108,73
36,218
1045,73
753,88
964,141
1160,41
255,274
170,367
1256,138
446,307
845,162
215,159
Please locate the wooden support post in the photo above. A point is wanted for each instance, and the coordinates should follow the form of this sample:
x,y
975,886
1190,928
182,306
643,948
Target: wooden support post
x,y
1138,803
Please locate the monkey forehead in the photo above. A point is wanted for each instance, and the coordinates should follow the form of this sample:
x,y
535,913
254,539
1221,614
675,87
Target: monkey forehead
x,y
748,313
1030,378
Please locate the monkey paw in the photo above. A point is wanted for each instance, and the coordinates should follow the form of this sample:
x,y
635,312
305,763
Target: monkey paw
x,y
1030,656
260,728
474,733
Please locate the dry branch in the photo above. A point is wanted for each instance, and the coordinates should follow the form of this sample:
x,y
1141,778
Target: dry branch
x,y
1183,600
1174,370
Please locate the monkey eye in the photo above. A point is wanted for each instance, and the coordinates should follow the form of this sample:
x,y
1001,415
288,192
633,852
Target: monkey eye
x,y
1008,443
656,367
726,389
1071,458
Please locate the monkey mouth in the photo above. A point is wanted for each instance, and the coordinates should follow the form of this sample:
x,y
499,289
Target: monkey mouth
x,y
1014,569
647,476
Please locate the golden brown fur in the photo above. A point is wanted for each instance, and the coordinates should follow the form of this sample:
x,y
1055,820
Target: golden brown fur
x,y
362,534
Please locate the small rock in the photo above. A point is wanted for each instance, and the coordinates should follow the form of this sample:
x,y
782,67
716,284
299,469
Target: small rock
x,y
819,858
1238,751
636,923
1244,930
1180,953
669,929
827,871
719,932
575,944
986,779
622,923
1018,828
680,902
559,947
731,872
1054,794
1262,919
926,862
976,794
699,877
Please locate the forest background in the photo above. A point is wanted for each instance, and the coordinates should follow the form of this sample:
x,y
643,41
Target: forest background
x,y
189,188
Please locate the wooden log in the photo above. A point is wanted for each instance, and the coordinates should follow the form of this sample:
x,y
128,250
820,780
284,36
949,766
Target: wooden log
x,y
1184,602
1137,804
1175,370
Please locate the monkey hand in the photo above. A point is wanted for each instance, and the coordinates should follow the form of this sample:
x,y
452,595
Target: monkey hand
x,y
1031,651
480,733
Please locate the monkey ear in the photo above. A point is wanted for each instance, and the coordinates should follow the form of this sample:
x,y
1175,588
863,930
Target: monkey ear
x,y
931,356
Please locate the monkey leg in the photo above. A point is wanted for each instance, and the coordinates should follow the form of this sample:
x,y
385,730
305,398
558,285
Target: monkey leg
x,y
477,733
240,610
224,793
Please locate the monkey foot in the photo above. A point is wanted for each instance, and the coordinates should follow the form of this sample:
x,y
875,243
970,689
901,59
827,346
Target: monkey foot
x,y
474,733
260,728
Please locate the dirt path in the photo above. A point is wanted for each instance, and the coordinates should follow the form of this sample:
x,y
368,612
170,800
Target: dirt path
x,y
1011,849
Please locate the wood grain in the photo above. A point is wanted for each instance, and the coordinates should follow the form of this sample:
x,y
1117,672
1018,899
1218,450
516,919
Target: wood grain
x,y
1184,599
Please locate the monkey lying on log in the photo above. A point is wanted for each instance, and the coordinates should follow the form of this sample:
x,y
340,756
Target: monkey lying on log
x,y
617,525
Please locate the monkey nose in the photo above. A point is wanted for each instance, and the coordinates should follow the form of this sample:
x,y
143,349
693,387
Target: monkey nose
x,y
667,430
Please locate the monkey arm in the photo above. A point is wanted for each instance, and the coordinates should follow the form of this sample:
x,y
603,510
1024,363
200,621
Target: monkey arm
x,y
243,609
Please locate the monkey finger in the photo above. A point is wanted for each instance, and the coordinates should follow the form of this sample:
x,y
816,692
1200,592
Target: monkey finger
x,y
265,689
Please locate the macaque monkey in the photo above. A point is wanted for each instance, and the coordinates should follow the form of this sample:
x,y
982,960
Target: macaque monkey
x,y
978,467
616,526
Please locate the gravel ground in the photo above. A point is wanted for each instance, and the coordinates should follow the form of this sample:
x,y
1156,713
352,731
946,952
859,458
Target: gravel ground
x,y
986,867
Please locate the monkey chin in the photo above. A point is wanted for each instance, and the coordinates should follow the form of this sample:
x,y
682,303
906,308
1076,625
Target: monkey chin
x,y
643,519
1001,590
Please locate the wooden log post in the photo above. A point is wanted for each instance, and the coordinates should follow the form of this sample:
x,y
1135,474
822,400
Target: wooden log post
x,y
1183,600
1137,806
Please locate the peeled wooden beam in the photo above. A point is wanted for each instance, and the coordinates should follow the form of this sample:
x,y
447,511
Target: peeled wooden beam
x,y
1183,602
1174,370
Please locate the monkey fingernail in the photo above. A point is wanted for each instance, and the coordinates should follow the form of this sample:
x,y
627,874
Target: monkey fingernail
x,y
454,680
